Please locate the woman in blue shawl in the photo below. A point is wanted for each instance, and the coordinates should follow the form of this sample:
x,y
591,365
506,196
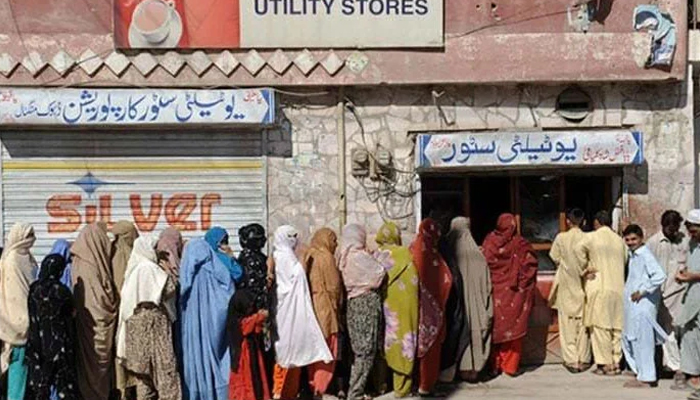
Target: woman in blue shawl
x,y
62,248
217,237
206,286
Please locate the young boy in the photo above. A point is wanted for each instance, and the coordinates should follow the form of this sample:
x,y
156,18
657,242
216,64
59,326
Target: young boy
x,y
641,333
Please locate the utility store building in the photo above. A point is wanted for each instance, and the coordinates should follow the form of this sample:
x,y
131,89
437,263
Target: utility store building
x,y
223,114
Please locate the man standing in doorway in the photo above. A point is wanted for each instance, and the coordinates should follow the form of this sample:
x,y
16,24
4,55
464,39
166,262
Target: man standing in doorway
x,y
567,295
689,319
670,247
603,255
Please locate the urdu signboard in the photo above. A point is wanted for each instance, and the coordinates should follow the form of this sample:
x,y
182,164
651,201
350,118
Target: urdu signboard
x,y
278,23
537,149
88,106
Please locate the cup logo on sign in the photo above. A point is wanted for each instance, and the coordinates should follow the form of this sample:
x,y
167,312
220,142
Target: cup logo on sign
x,y
152,19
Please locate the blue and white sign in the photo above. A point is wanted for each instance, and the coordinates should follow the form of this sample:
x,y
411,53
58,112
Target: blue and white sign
x,y
20,106
501,149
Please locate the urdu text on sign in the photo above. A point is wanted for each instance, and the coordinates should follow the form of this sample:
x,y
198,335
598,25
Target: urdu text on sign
x,y
20,106
553,148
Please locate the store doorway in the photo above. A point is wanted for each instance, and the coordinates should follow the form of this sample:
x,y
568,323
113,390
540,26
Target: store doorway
x,y
540,201
489,198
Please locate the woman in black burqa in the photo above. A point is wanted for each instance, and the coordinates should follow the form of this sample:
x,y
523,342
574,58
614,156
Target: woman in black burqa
x,y
259,282
51,338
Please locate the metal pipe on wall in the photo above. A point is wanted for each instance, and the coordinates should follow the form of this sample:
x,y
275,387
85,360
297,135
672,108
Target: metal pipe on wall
x,y
342,192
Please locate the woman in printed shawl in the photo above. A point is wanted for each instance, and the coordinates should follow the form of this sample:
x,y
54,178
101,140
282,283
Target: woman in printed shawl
x,y
245,326
474,343
327,296
51,337
218,240
363,275
254,263
400,309
300,341
170,241
17,272
513,269
62,248
435,283
97,310
145,281
205,287
256,278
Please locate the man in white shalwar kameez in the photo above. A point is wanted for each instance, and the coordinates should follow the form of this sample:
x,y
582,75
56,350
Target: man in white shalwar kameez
x,y
670,248
641,333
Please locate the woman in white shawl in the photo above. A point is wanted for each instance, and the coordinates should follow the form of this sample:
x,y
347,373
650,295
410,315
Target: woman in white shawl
x,y
300,340
144,281
17,271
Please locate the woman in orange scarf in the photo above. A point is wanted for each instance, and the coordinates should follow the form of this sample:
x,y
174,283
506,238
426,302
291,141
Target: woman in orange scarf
x,y
435,283
513,269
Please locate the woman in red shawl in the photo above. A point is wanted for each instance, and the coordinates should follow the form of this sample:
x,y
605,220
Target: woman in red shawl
x,y
513,269
435,283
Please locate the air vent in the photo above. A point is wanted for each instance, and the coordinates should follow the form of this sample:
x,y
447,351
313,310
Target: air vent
x,y
574,105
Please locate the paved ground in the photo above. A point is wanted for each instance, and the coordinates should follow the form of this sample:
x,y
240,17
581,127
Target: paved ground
x,y
552,382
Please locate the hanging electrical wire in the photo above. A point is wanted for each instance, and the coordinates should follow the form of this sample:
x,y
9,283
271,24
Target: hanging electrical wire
x,y
393,196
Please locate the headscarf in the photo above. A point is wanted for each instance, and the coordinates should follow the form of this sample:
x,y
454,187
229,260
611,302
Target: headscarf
x,y
51,334
125,234
171,241
301,340
435,283
324,279
361,271
401,302
206,287
62,248
388,235
144,282
17,272
513,275
215,236
97,310
254,263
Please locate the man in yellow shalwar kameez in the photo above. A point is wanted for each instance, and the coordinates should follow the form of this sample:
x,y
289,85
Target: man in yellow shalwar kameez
x,y
603,254
567,295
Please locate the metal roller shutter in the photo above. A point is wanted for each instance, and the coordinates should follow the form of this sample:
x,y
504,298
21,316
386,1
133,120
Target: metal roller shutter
x,y
59,181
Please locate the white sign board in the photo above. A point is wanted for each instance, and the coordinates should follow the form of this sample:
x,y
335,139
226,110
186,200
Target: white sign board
x,y
341,23
19,106
499,149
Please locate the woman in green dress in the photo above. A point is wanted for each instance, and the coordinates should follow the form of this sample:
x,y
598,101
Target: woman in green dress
x,y
400,308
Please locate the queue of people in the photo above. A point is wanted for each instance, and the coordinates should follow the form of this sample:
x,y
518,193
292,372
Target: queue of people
x,y
155,317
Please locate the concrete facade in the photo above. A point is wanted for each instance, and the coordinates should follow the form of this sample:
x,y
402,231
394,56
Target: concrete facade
x,y
303,180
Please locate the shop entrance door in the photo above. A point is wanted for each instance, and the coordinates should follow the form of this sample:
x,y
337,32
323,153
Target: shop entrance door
x,y
540,202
